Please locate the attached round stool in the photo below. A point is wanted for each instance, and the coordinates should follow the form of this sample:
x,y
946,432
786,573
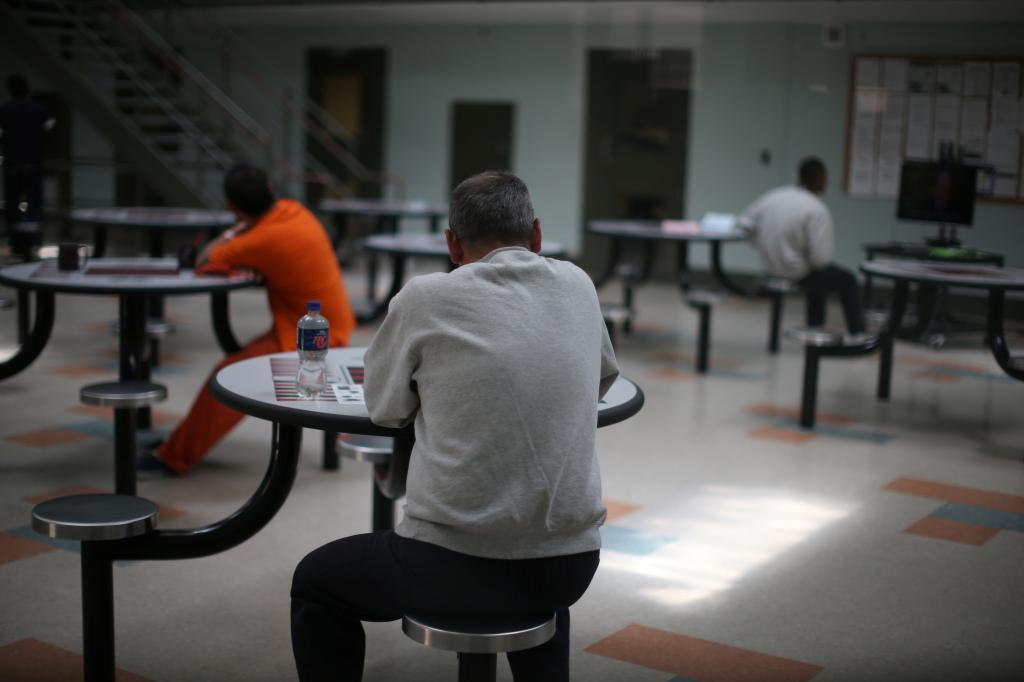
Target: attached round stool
x,y
126,397
96,520
775,289
378,451
702,301
157,328
478,642
819,343
615,317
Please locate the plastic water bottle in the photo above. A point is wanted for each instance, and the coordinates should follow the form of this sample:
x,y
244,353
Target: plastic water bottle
x,y
313,333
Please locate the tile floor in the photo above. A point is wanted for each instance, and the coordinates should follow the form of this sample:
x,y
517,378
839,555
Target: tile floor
x,y
888,544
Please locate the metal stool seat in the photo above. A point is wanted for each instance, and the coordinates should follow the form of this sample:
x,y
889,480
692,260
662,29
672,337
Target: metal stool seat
x,y
96,520
6,303
819,343
123,394
815,337
775,289
378,451
616,316
702,301
361,448
478,641
126,397
156,328
95,517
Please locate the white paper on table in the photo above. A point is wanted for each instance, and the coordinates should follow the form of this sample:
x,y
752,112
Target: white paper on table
x,y
717,223
919,126
1006,79
921,78
977,79
949,79
868,73
946,122
348,394
895,72
973,126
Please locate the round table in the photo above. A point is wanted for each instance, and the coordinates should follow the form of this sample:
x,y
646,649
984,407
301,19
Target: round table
x,y
997,281
652,231
152,219
264,387
132,280
402,246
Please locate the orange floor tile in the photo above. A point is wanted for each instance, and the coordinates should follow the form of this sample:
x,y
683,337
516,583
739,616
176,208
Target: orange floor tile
x,y
955,493
954,531
698,659
14,547
29,660
45,438
616,510
782,435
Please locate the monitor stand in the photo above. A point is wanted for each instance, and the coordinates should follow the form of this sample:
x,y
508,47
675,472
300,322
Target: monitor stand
x,y
945,238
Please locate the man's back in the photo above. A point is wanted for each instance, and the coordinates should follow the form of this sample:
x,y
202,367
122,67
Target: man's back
x,y
507,356
292,252
792,230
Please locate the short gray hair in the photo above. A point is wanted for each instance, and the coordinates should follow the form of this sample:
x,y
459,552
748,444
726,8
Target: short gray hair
x,y
491,206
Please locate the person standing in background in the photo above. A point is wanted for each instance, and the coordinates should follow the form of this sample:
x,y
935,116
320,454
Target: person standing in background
x,y
23,122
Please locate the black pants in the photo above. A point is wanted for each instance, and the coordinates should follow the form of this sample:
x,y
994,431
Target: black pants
x,y
379,576
820,283
23,183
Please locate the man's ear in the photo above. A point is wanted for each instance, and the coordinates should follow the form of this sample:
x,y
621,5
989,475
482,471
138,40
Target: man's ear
x,y
535,236
455,251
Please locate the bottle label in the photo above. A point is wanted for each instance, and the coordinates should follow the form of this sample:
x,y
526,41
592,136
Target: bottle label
x,y
312,339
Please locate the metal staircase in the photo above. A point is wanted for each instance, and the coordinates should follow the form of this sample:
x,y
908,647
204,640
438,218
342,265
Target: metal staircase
x,y
162,114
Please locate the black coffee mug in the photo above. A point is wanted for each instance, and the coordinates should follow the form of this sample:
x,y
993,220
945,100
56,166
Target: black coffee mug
x,y
71,256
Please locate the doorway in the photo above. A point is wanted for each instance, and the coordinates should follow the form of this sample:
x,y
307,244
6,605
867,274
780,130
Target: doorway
x,y
481,138
638,106
350,86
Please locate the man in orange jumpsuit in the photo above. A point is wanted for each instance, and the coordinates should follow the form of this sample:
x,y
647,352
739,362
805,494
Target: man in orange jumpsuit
x,y
282,241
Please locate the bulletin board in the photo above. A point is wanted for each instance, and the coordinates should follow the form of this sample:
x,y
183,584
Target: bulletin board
x,y
904,107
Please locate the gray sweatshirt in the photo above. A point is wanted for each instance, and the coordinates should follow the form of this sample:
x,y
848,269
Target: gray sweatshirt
x,y
792,230
500,363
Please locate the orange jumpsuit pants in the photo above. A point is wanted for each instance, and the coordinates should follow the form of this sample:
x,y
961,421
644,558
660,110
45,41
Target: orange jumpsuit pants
x,y
208,419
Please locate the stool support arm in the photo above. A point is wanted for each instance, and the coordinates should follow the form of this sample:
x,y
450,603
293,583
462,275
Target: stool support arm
x,y
36,339
222,323
192,543
997,339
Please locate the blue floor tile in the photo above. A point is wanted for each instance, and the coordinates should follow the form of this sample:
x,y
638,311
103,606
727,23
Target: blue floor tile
x,y
981,516
631,541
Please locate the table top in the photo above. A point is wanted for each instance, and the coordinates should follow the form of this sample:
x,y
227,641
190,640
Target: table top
x,y
672,230
435,245
921,251
381,207
264,387
951,274
155,217
121,276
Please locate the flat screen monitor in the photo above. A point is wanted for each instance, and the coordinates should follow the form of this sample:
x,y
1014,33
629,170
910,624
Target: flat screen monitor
x,y
937,192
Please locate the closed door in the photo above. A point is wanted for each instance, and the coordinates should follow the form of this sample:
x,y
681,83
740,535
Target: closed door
x,y
481,138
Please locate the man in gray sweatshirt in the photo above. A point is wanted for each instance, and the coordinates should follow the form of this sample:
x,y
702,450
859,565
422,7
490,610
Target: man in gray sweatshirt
x,y
499,366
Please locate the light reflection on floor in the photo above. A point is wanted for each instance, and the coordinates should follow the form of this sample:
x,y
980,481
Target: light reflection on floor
x,y
723,534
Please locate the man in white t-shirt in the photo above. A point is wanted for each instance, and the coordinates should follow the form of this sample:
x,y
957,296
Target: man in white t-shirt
x,y
792,230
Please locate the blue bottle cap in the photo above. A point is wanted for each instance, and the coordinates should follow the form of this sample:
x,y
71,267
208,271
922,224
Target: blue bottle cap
x,y
313,305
